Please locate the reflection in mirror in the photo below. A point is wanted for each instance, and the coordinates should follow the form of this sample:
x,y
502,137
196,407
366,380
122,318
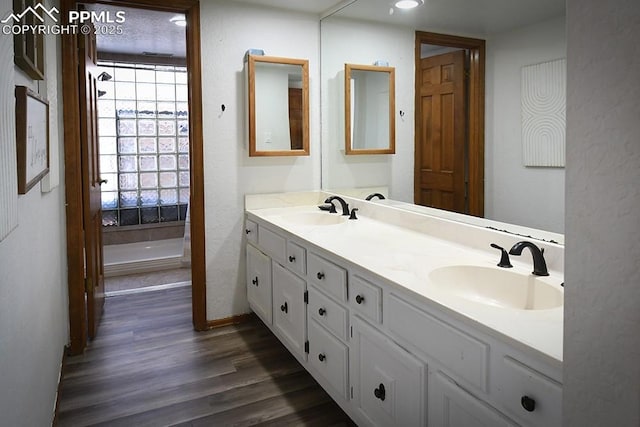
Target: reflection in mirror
x,y
369,109
278,106
513,193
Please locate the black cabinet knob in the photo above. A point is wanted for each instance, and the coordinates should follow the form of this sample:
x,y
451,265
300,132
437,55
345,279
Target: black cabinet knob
x,y
255,281
528,403
284,308
321,357
320,275
322,311
380,392
359,299
292,258
247,231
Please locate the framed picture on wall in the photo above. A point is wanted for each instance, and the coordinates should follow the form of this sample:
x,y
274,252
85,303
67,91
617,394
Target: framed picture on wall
x,y
32,138
29,45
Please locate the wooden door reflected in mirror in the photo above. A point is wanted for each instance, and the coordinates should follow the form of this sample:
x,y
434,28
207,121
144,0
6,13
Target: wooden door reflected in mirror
x,y
278,106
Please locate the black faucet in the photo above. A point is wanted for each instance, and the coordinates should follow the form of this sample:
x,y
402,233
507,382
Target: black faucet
x,y
378,195
331,208
539,265
345,206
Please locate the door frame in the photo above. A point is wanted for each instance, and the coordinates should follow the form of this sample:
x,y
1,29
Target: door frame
x,y
475,140
73,175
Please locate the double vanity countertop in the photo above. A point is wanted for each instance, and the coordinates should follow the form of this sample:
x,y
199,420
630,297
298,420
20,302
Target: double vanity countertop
x,y
397,247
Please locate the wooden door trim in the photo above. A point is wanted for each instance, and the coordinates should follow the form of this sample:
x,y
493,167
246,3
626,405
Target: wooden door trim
x,y
73,176
73,188
476,48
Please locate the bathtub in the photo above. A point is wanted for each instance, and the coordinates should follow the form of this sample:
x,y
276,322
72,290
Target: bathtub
x,y
143,257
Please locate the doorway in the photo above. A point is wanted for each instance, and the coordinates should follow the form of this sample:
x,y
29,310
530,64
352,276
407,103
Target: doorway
x,y
144,160
81,297
449,125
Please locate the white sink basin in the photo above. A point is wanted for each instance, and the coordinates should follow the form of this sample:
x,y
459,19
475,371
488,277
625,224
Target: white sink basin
x,y
314,218
497,287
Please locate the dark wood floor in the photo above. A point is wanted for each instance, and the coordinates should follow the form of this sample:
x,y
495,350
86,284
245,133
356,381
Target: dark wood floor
x,y
147,367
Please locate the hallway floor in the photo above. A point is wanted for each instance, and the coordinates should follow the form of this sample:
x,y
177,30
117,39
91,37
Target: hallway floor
x,y
147,367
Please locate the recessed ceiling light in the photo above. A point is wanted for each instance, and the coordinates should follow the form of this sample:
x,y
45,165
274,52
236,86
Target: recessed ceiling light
x,y
179,20
408,4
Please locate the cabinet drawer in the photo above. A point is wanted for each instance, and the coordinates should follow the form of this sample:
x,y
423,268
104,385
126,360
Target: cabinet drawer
x,y
296,258
273,244
329,357
328,313
466,357
327,276
251,231
527,395
365,298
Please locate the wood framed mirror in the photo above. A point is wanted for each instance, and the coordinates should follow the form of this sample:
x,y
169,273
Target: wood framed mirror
x,y
278,106
369,104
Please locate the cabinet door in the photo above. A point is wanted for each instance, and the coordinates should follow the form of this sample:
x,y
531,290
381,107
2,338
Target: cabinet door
x,y
329,357
289,308
389,383
451,406
259,283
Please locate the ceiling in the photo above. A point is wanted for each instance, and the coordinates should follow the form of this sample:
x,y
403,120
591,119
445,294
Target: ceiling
x,y
143,31
151,31
464,17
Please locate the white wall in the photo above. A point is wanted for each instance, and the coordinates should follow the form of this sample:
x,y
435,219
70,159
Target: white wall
x,y
360,42
33,280
602,290
8,165
514,193
228,30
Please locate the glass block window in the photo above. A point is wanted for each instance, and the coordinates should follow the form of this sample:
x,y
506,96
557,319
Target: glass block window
x,y
143,121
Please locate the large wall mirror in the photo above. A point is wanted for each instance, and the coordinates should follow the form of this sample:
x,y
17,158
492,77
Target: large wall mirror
x,y
278,110
530,34
370,126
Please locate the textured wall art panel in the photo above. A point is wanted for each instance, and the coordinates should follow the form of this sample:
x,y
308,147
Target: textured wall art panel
x,y
543,113
8,163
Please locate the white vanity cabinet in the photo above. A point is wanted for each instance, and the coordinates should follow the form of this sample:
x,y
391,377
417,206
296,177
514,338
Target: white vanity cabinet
x,y
305,304
384,355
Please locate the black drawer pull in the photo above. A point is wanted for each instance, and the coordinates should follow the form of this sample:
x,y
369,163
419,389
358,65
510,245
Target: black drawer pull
x,y
322,357
292,258
247,231
528,403
284,308
255,281
320,276
322,311
380,392
359,299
